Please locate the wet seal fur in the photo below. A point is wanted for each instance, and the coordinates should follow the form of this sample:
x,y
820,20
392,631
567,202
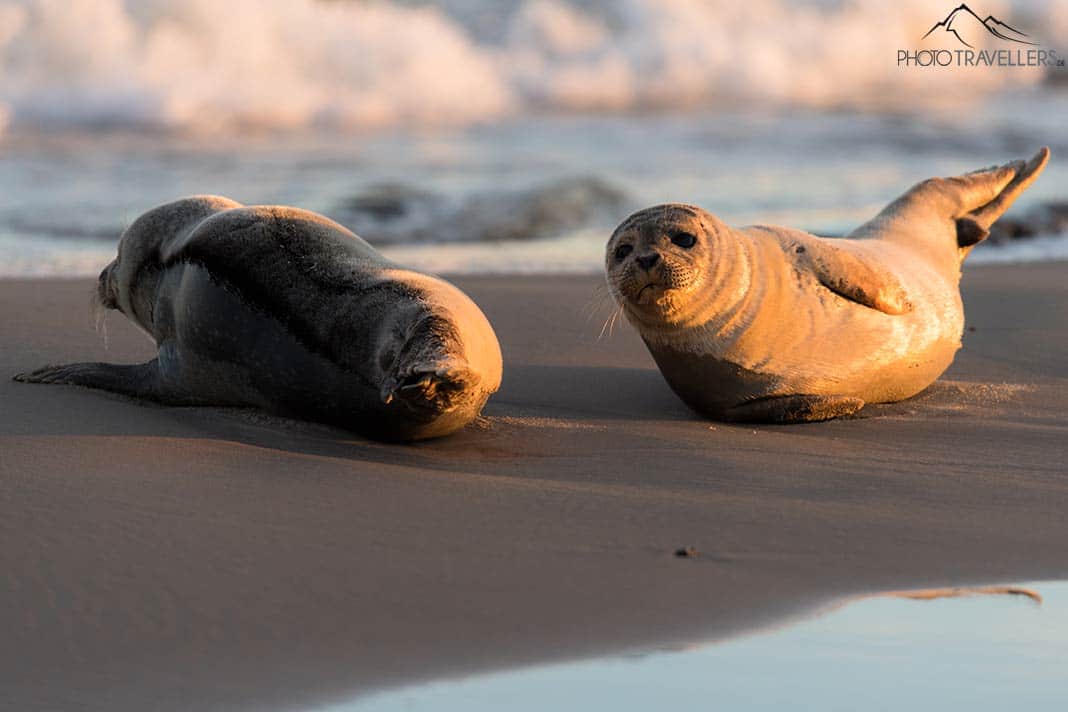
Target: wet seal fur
x,y
285,310
772,324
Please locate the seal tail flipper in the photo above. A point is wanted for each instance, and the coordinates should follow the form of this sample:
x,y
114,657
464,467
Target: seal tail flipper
x,y
435,386
140,380
973,200
986,194
794,409
1025,173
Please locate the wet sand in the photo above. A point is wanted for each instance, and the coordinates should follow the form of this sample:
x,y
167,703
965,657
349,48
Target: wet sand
x,y
158,558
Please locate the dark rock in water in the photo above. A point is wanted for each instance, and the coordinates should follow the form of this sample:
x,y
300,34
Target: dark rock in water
x,y
70,230
544,211
395,213
389,201
1043,219
1056,76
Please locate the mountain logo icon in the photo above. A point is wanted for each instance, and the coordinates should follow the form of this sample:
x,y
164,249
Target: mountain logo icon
x,y
969,28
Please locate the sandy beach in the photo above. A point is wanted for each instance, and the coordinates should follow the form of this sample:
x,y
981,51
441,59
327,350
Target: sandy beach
x,y
211,559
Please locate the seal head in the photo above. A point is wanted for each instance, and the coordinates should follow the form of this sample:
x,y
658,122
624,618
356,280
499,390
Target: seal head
x,y
661,261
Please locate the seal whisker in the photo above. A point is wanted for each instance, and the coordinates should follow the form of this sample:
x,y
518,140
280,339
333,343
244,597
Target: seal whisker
x,y
610,322
102,328
615,320
597,303
98,314
604,326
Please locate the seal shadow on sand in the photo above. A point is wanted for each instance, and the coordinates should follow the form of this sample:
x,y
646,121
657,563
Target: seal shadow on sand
x,y
945,397
537,406
536,403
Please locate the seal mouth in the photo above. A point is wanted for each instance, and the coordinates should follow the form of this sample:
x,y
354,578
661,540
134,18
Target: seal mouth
x,y
648,294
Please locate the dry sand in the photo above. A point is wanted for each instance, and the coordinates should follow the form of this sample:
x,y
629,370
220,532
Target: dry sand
x,y
158,558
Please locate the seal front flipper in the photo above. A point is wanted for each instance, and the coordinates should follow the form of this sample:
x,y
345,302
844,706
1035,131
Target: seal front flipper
x,y
141,380
850,277
794,409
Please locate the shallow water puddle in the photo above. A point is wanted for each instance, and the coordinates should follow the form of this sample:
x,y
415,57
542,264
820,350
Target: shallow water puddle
x,y
988,650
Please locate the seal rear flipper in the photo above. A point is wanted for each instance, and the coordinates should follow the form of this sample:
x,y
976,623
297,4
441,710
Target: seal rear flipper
x,y
794,409
140,380
850,277
986,213
982,196
437,387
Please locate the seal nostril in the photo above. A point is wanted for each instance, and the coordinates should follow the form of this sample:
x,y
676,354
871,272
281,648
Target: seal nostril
x,y
647,261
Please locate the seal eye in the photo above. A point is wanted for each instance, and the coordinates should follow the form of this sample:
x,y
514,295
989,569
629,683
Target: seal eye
x,y
622,251
684,239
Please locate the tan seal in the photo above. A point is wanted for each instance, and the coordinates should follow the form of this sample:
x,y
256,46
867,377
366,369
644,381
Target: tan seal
x,y
282,309
773,324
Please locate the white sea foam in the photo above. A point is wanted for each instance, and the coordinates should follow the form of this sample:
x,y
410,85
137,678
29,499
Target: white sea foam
x,y
1033,249
198,65
25,257
580,253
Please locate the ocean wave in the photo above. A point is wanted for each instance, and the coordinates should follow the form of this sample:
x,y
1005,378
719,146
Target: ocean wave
x,y
581,252
186,65
1041,248
394,213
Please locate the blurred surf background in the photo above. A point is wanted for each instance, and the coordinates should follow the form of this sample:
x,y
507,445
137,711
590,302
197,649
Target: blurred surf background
x,y
503,135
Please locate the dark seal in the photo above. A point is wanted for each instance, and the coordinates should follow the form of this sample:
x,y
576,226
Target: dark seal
x,y
282,309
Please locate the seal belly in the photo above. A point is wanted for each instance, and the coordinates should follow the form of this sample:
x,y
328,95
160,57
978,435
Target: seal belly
x,y
708,385
803,338
223,343
713,387
800,338
221,349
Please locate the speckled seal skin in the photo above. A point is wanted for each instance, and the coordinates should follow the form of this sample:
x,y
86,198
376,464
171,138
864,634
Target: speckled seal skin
x,y
285,310
772,324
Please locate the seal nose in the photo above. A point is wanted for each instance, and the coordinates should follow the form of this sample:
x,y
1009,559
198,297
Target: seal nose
x,y
647,261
